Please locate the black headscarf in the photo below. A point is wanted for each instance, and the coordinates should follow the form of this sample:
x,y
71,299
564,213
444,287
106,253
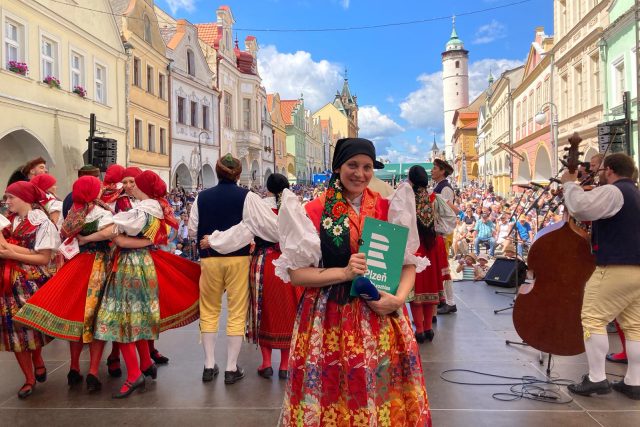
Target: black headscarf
x,y
346,148
276,183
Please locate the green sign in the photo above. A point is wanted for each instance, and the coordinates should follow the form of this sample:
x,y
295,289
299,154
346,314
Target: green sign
x,y
384,246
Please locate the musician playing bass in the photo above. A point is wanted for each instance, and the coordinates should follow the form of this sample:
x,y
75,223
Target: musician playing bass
x,y
613,291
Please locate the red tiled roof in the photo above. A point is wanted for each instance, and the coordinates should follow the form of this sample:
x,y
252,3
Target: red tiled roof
x,y
210,33
245,61
287,107
225,7
250,38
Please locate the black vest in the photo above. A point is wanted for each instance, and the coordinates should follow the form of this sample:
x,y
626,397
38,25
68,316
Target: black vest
x,y
220,208
616,240
441,186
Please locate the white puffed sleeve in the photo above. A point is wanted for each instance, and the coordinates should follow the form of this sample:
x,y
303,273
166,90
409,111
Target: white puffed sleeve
x,y
47,235
103,216
130,222
4,222
299,240
257,220
402,211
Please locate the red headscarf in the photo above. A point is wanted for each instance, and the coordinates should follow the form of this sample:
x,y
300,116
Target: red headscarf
x,y
114,174
153,186
44,181
86,191
27,192
131,171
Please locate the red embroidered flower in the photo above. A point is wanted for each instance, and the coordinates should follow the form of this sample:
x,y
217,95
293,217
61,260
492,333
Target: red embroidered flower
x,y
432,197
339,209
330,193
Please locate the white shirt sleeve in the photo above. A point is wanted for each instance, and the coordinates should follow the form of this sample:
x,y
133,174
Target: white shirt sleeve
x,y
257,220
448,194
130,222
193,220
600,203
4,222
298,237
402,211
47,235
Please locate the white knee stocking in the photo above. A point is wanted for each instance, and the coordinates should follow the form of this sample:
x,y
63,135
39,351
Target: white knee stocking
x,y
448,292
633,358
597,346
233,350
209,345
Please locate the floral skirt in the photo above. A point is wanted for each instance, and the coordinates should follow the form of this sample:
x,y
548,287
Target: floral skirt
x,y
25,281
66,307
429,287
147,291
273,303
350,367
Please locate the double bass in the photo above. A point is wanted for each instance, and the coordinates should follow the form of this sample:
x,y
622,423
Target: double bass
x,y
548,317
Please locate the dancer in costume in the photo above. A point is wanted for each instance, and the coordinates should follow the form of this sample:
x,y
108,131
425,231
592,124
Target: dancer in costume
x,y
225,206
272,305
66,307
147,291
351,360
429,283
26,248
52,205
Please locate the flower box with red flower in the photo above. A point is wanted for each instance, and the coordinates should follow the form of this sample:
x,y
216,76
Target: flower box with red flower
x,y
18,67
80,91
52,81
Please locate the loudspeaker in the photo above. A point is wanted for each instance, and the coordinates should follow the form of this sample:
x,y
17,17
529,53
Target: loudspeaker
x,y
503,273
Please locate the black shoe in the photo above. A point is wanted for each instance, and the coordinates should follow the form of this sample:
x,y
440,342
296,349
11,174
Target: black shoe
x,y
420,337
631,391
441,304
428,335
264,372
446,309
113,367
74,377
588,387
159,358
41,377
151,371
93,383
130,388
283,374
434,319
26,390
232,377
209,373
611,358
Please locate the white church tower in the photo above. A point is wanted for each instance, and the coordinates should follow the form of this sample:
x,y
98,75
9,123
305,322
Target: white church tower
x,y
455,85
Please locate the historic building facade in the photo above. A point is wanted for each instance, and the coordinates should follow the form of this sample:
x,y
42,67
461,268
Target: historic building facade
x,y
293,114
455,86
194,107
465,155
58,41
146,89
279,133
343,112
534,142
268,138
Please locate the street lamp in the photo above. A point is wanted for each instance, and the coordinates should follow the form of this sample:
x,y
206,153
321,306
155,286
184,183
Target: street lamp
x,y
201,178
540,119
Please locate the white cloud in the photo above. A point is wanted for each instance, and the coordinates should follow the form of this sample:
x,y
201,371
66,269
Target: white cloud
x,y
292,74
424,107
344,4
490,32
175,5
373,124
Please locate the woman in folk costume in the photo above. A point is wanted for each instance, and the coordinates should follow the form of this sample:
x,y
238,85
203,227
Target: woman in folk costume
x,y
429,283
273,304
353,362
52,204
26,247
67,306
112,187
148,290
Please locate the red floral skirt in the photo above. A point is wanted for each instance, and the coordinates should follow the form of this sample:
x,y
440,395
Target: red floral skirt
x,y
429,283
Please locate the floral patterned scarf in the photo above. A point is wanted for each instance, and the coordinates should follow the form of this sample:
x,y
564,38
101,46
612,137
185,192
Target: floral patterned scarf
x,y
425,215
334,237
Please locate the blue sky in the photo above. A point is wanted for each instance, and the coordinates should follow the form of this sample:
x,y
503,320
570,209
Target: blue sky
x,y
395,70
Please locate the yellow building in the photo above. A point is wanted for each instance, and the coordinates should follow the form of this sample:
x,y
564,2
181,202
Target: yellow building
x,y
464,146
64,42
149,142
343,113
279,133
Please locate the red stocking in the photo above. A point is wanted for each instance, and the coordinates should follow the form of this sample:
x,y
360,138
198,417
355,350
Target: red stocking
x,y
152,346
115,350
284,359
26,364
75,348
145,355
427,310
128,351
418,317
36,357
95,352
266,356
623,354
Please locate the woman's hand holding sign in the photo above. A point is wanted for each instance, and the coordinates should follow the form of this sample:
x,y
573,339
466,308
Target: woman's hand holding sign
x,y
357,266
